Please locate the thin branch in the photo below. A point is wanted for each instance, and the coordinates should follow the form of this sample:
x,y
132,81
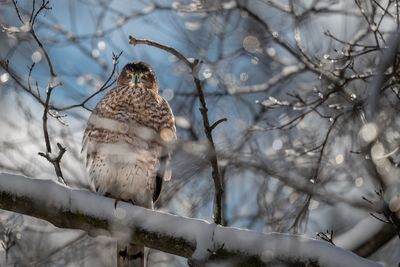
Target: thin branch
x,y
133,41
5,66
215,124
16,8
219,191
327,236
105,86
52,84
44,6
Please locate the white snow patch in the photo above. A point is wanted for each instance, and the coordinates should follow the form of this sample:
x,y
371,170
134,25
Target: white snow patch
x,y
95,206
45,191
204,241
285,246
199,232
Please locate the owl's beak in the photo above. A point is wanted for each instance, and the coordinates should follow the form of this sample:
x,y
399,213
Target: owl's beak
x,y
136,79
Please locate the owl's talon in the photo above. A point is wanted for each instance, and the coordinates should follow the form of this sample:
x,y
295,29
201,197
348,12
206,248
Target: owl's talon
x,y
115,203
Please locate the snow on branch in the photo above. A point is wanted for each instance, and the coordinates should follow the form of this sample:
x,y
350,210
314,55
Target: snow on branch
x,y
191,238
286,72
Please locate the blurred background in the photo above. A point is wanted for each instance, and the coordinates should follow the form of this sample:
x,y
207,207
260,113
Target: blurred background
x,y
292,78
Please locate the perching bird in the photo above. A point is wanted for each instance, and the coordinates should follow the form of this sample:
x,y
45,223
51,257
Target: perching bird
x,y
127,141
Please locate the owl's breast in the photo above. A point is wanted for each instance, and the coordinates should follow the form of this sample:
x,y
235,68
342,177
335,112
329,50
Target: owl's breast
x,y
124,171
125,137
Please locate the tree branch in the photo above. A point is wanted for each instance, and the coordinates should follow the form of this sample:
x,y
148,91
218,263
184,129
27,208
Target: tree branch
x,y
216,175
133,41
107,84
52,84
189,238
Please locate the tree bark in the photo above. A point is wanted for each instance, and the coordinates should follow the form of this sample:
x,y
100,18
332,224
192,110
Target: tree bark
x,y
194,239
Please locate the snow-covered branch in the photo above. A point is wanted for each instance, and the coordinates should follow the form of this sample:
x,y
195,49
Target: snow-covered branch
x,y
191,238
286,73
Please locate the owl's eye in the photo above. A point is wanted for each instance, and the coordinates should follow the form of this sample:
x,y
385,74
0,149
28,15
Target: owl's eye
x,y
129,75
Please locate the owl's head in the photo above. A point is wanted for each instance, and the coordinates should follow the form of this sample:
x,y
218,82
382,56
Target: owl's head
x,y
138,75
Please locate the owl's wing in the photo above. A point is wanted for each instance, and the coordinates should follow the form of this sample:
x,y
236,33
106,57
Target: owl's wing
x,y
170,140
85,137
88,146
93,121
86,142
164,172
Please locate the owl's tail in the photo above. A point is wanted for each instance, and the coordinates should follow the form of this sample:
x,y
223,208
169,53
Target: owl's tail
x,y
130,255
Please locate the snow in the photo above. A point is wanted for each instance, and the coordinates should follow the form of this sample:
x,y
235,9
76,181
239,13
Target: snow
x,y
204,240
208,237
44,191
285,246
204,236
82,201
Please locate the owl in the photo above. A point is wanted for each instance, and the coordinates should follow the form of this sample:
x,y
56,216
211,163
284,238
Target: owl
x,y
128,140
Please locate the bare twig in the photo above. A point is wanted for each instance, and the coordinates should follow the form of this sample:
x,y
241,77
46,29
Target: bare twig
x,y
215,124
55,160
133,41
43,6
52,84
327,236
5,66
17,9
107,84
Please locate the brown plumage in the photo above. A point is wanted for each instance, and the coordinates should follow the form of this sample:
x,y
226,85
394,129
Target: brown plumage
x,y
127,142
